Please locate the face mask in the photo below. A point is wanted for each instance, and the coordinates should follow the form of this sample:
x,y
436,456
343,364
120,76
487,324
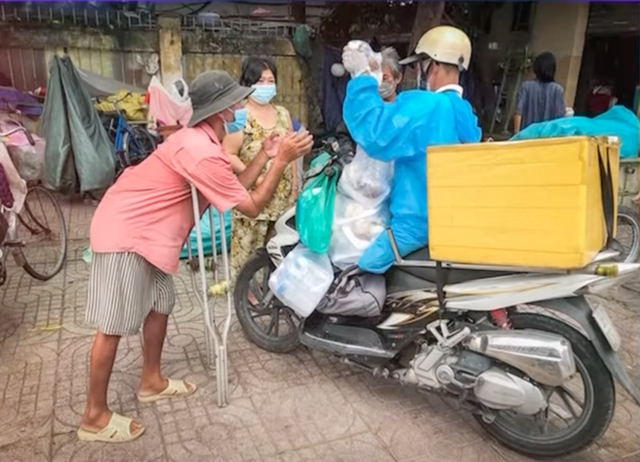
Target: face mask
x,y
238,123
386,89
263,94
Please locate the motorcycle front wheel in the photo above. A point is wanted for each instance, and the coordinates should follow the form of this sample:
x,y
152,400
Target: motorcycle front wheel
x,y
263,318
577,418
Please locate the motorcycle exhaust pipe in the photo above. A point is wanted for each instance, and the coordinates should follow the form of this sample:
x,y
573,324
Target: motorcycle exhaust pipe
x,y
545,357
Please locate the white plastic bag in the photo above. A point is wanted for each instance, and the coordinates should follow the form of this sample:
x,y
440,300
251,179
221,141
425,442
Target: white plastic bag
x,y
17,185
361,211
364,223
303,278
28,160
366,180
375,59
168,107
354,228
180,91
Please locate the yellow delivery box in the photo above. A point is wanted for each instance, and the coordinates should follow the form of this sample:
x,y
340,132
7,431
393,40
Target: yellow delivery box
x,y
537,203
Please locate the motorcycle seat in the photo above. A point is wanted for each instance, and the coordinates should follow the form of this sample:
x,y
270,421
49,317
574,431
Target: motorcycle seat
x,y
419,255
452,276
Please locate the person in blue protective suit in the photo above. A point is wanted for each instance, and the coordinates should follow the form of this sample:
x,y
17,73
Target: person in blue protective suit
x,y
401,131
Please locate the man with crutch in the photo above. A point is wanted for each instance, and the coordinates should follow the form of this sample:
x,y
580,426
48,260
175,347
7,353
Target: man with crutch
x,y
141,225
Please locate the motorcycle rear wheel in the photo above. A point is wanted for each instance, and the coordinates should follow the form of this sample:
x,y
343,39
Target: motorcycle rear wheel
x,y
598,406
248,312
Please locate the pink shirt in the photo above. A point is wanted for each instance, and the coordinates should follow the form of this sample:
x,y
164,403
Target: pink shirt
x,y
149,209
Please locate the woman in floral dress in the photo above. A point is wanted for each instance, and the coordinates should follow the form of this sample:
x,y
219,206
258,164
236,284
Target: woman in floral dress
x,y
264,119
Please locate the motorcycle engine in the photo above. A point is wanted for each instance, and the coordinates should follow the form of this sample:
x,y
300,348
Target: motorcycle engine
x,y
423,368
436,369
498,389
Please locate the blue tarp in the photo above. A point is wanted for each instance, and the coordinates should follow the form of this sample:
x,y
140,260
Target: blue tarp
x,y
617,121
205,227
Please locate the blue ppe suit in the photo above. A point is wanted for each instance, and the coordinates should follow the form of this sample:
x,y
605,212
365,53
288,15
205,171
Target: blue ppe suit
x,y
400,132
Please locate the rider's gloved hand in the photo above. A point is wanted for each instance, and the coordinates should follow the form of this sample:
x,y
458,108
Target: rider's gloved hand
x,y
355,61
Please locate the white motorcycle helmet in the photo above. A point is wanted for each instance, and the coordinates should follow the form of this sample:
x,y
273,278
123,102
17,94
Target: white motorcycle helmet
x,y
444,44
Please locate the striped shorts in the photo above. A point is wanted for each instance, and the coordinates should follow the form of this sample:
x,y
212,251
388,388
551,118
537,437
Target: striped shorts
x,y
123,289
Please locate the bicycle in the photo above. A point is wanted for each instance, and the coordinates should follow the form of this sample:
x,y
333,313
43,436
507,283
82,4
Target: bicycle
x,y
36,224
628,227
132,142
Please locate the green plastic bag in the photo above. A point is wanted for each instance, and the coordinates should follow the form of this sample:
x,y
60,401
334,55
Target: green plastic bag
x,y
314,210
302,41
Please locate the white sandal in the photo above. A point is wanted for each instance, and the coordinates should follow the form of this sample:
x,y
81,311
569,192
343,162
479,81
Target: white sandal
x,y
118,430
175,389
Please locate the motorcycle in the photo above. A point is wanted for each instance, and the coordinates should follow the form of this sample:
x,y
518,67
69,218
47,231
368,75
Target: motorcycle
x,y
470,332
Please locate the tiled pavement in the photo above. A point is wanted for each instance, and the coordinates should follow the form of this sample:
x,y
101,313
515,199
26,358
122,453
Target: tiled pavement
x,y
301,407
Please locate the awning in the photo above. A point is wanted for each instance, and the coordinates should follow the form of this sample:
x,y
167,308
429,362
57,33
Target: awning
x,y
100,87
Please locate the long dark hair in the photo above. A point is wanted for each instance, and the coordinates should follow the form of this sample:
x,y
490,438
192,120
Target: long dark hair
x,y
252,68
544,66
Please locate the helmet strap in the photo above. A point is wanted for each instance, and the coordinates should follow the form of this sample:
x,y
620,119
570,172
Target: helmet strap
x,y
423,73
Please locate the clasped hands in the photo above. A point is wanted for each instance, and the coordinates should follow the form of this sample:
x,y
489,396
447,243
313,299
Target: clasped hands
x,y
288,147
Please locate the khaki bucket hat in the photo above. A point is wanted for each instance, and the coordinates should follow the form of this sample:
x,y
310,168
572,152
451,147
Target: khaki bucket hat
x,y
213,92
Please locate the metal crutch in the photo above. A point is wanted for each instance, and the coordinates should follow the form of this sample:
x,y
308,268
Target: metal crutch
x,y
215,340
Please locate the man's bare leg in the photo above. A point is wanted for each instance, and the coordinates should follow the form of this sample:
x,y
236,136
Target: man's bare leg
x,y
154,331
103,354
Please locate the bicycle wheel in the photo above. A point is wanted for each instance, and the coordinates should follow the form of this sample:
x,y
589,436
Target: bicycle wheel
x,y
628,235
122,160
43,230
139,144
109,122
